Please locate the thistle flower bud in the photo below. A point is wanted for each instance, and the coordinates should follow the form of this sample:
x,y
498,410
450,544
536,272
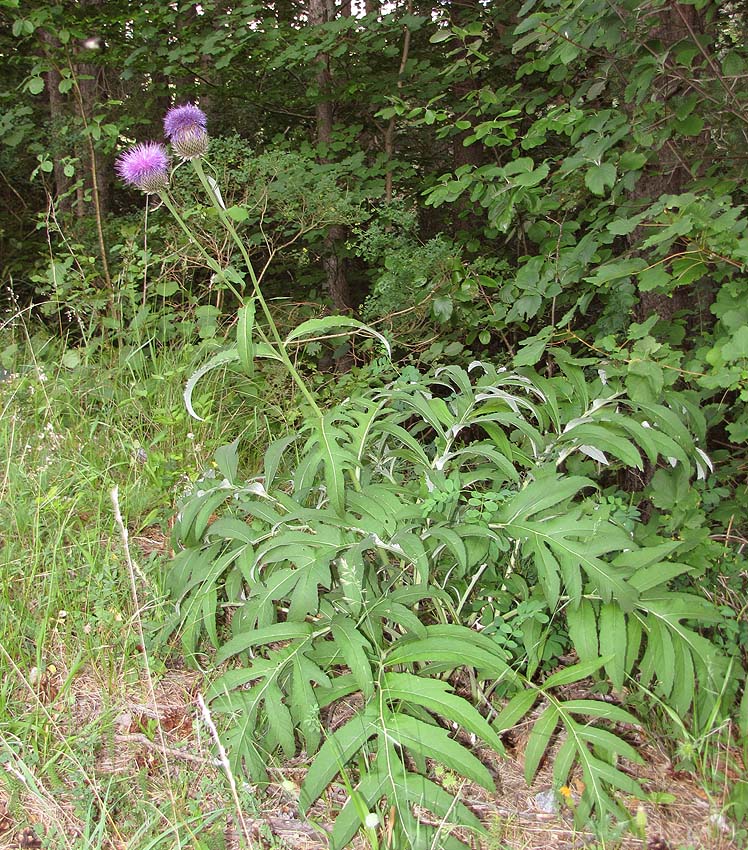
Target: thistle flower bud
x,y
146,166
186,128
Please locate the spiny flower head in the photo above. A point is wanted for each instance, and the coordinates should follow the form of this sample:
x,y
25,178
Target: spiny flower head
x,y
186,128
146,166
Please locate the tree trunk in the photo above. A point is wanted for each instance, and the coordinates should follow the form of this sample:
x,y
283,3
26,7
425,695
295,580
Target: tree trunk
x,y
667,173
463,12
97,168
389,136
321,12
58,115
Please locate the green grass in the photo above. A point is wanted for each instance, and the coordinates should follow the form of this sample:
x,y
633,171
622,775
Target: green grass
x,y
101,744
75,677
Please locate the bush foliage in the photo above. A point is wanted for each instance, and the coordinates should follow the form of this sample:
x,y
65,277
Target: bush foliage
x,y
486,261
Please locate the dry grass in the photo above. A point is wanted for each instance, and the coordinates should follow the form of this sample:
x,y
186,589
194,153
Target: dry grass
x,y
130,751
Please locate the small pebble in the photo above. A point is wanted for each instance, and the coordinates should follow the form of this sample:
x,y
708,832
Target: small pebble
x,y
547,802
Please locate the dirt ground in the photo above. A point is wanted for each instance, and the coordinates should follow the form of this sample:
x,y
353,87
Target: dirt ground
x,y
159,738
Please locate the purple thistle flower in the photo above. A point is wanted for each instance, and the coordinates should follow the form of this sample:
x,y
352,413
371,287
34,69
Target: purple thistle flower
x,y
186,128
146,166
181,118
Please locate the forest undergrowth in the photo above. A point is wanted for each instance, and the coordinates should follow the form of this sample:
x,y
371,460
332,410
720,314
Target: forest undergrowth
x,y
377,479
104,744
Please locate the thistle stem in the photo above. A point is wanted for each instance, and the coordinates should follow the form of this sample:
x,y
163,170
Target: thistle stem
x,y
281,348
169,204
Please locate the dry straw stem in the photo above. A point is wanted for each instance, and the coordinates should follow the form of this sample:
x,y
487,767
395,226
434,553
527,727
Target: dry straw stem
x,y
131,570
226,765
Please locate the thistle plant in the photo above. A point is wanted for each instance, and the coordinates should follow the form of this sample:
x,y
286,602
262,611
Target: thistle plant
x,y
146,166
186,127
358,563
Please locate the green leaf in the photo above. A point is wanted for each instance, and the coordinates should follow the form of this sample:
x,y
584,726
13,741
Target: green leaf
x,y
659,657
531,178
444,651
684,681
353,646
273,455
549,571
244,342
240,742
649,578
456,646
164,288
260,637
647,556
599,708
434,742
303,700
341,686
612,624
410,546
690,126
559,534
564,761
351,572
733,64
404,617
596,772
572,674
437,696
262,349
443,34
317,327
593,767
403,437
538,741
334,460
424,793
36,85
624,226
71,359
442,308
231,528
607,743
194,517
634,635
656,277
275,587
541,494
338,749
583,630
516,709
533,348
371,787
604,439
279,719
451,541
238,213
616,270
230,355
599,177
737,347
227,460
632,160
